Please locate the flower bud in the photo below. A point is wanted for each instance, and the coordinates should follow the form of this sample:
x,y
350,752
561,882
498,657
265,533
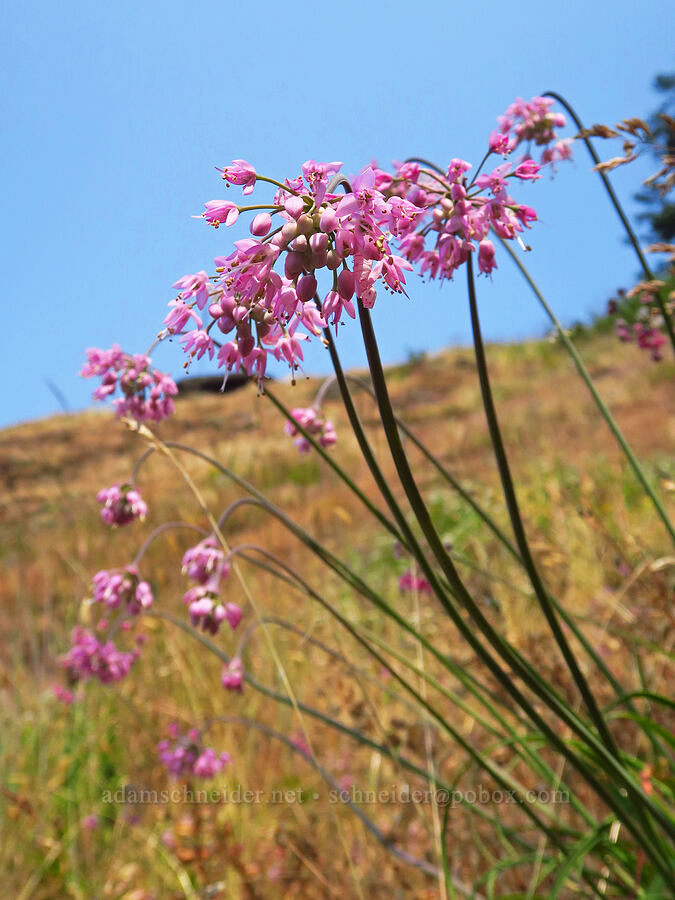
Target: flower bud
x,y
333,260
306,288
305,224
318,242
289,231
293,264
346,284
294,206
300,243
261,225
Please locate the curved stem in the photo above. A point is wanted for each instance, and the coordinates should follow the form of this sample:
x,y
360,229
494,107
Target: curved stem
x,y
531,678
517,522
166,526
370,826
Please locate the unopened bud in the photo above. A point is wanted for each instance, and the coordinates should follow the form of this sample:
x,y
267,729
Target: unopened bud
x,y
305,224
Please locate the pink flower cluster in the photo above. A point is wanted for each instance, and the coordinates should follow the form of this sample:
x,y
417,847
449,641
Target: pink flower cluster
x,y
147,394
122,589
184,755
205,563
531,122
315,424
409,582
232,677
88,658
647,337
265,295
121,503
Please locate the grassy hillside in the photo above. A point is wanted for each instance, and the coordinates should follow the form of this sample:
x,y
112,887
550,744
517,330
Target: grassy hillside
x,y
595,536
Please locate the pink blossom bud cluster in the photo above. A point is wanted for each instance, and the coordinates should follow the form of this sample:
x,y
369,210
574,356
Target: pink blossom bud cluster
x,y
88,658
146,393
265,297
121,504
205,563
122,589
184,755
315,424
409,582
647,336
640,318
531,122
232,676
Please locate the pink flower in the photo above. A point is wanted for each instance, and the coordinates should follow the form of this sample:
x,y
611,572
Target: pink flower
x,y
288,346
205,562
232,677
88,658
242,173
196,286
486,256
121,504
184,755
499,143
62,694
317,175
147,393
333,305
533,122
122,589
261,224
313,422
197,343
528,170
219,212
414,583
209,763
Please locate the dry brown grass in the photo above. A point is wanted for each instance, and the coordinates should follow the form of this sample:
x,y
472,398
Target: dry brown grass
x,y
587,522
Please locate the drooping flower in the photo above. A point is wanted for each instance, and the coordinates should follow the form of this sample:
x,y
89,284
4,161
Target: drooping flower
x,y
220,212
240,172
409,581
147,393
232,677
88,658
205,562
184,755
196,286
121,504
122,589
314,423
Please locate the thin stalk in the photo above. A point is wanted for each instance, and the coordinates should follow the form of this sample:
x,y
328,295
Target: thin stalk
x,y
531,678
517,522
325,719
523,545
370,826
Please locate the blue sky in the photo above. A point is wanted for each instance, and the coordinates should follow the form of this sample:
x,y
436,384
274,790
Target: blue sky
x,y
116,114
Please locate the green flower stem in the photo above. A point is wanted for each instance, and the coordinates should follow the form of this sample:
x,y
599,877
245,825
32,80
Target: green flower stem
x,y
599,402
517,522
497,772
529,675
621,214
525,553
